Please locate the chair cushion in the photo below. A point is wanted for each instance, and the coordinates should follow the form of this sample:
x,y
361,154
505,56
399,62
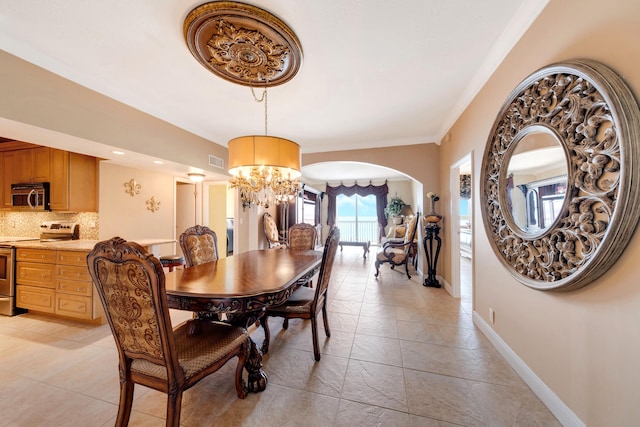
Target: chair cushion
x,y
202,248
196,352
299,302
398,255
271,229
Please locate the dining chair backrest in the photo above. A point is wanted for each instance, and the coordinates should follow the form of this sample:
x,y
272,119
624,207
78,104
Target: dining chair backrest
x,y
326,266
271,231
302,236
131,285
411,230
199,245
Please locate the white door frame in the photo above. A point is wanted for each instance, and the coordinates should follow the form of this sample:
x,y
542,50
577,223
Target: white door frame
x,y
454,235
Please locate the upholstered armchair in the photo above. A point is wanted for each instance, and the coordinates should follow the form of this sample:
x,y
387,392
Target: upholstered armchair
x,y
397,252
271,232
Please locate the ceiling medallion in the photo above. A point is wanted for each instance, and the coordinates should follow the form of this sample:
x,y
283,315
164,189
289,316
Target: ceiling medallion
x,y
242,43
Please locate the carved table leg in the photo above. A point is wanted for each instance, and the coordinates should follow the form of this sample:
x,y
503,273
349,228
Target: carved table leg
x,y
257,380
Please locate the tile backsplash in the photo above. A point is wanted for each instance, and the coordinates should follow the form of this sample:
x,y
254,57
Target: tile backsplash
x,y
27,224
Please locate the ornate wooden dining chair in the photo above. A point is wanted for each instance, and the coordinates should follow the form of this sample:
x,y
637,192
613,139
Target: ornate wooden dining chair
x,y
199,245
398,253
271,232
131,285
302,236
306,303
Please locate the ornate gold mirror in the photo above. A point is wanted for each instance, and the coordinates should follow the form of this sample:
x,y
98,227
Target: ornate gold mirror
x,y
559,206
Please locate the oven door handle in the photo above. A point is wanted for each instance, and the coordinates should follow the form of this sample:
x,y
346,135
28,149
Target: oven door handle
x,y
5,299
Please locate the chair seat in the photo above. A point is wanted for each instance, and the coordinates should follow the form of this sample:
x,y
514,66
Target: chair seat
x,y
397,255
298,302
196,352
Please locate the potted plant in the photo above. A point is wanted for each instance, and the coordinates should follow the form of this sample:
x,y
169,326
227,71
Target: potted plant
x,y
393,208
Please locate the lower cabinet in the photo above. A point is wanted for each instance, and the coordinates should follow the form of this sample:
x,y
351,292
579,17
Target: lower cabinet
x,y
36,298
58,283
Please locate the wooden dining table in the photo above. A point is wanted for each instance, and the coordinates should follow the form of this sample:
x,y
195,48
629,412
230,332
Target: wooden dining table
x,y
241,287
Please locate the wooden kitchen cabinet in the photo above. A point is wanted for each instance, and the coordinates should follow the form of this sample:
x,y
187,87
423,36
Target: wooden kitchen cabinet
x,y
31,165
74,182
75,296
73,177
54,281
35,286
2,192
9,170
35,298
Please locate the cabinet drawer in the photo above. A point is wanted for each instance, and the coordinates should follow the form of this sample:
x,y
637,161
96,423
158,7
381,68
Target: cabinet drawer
x,y
38,299
28,273
36,255
75,287
74,306
72,258
72,272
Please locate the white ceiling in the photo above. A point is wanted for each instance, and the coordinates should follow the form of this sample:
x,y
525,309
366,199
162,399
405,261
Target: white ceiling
x,y
375,73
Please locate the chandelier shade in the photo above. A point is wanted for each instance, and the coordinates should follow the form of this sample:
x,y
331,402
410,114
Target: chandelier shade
x,y
265,169
247,152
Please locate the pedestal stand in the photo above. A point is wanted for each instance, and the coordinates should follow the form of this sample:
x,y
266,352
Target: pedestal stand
x,y
432,235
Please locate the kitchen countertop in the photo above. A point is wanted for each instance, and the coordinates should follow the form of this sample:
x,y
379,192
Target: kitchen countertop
x,y
82,245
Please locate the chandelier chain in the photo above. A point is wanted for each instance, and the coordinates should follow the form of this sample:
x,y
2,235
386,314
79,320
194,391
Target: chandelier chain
x,y
263,98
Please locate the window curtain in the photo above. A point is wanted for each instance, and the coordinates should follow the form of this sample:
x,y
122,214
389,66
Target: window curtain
x,y
379,191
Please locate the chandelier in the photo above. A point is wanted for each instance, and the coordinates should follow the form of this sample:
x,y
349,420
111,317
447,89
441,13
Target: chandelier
x,y
265,169
249,46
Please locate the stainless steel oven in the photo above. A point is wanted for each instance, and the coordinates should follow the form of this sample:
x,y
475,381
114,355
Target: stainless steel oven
x,y
7,280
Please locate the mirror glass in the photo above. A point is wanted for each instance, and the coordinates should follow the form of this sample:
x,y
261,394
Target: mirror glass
x,y
536,181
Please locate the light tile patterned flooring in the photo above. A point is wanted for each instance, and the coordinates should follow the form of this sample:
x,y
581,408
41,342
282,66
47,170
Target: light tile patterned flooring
x,y
400,354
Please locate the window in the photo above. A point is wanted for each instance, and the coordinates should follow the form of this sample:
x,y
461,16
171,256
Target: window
x,y
357,218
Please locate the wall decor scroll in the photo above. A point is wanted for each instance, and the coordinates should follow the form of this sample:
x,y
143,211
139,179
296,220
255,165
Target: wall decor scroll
x,y
561,225
153,204
132,187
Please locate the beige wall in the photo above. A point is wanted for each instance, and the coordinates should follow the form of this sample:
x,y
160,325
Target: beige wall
x,y
34,97
218,216
585,344
128,217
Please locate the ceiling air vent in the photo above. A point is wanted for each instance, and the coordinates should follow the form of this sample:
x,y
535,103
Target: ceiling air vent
x,y
216,162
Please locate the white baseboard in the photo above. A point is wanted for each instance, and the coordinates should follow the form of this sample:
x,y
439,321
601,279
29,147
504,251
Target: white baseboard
x,y
557,407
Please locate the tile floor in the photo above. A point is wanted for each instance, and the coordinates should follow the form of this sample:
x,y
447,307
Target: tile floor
x,y
400,354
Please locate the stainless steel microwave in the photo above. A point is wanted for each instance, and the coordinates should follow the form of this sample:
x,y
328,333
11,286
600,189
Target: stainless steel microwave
x,y
30,196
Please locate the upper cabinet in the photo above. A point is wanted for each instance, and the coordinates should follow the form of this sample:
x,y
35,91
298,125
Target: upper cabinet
x,y
74,182
31,165
73,177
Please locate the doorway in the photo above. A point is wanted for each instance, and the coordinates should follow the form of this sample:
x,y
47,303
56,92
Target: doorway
x,y
462,196
186,212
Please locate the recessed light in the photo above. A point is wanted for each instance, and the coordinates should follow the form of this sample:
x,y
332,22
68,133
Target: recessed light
x,y
119,153
158,162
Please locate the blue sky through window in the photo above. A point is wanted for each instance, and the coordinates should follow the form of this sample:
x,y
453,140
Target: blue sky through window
x,y
346,206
